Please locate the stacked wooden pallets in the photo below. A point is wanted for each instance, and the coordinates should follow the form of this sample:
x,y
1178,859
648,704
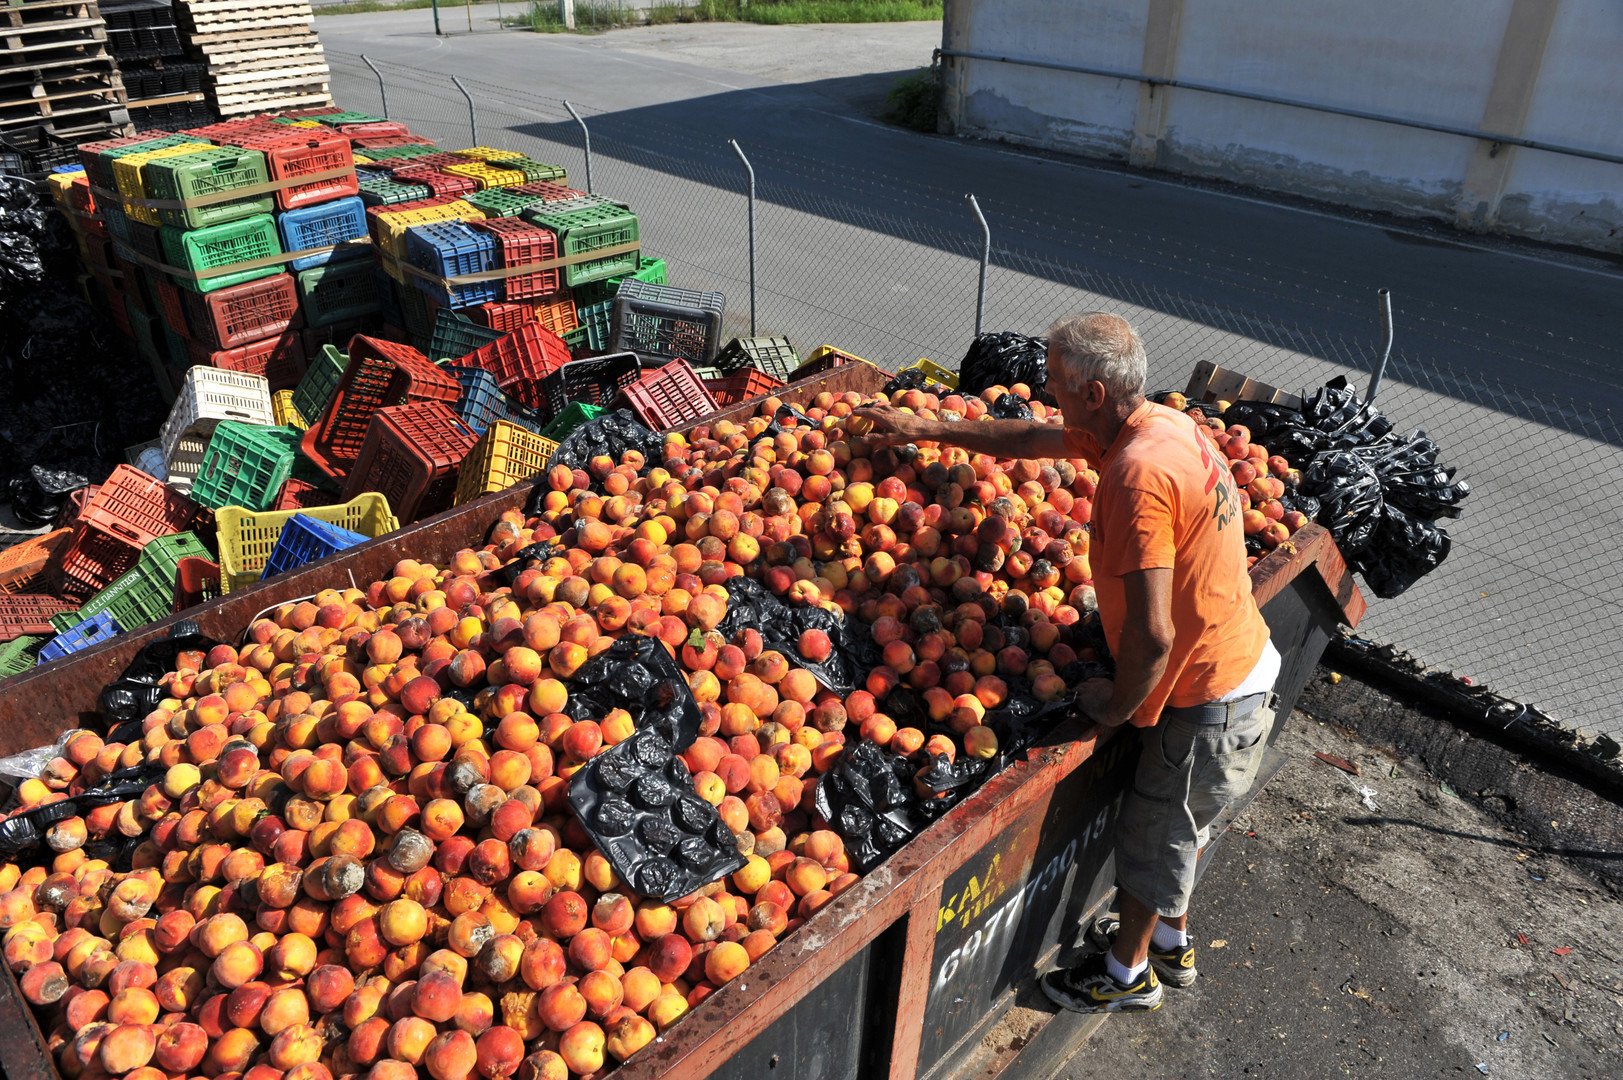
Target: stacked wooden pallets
x,y
262,55
58,83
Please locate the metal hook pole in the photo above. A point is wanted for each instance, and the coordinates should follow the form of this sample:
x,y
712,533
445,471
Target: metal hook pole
x,y
383,91
1384,299
986,258
473,113
750,169
586,135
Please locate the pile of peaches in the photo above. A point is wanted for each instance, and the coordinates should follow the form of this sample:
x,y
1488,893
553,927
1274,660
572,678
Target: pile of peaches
x,y
360,859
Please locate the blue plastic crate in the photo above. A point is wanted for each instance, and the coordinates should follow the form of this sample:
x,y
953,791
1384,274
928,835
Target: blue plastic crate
x,y
320,225
304,540
92,631
482,402
449,248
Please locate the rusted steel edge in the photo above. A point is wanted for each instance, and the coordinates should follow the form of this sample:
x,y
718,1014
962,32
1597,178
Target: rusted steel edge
x,y
1312,547
746,1006
913,992
23,1053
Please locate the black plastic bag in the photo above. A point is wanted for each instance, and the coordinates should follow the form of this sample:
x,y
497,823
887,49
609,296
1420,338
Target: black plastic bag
x,y
637,674
866,798
38,497
611,433
1404,549
136,692
914,379
1009,407
637,802
751,604
527,557
1003,360
1349,494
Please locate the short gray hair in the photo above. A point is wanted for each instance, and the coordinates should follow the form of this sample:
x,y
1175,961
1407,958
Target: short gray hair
x,y
1099,347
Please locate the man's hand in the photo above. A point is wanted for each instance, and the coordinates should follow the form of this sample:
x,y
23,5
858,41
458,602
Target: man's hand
x,y
1093,701
889,426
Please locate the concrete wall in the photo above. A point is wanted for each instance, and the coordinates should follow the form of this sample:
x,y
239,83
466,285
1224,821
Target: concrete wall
x,y
1543,70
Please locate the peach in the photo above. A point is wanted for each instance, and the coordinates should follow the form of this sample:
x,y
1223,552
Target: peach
x,y
499,1051
180,1047
565,915
669,956
402,922
544,1065
667,1009
284,1008
451,1056
543,964
561,1006
436,996
603,992
127,1047
639,986
704,920
725,962
328,987
582,1047
613,914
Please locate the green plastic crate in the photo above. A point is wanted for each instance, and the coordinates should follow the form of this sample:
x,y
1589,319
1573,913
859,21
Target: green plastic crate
x,y
499,202
334,119
315,390
245,465
99,169
122,600
158,564
339,292
587,225
19,655
596,320
63,621
223,245
455,336
382,191
396,153
574,415
208,172
536,170
649,271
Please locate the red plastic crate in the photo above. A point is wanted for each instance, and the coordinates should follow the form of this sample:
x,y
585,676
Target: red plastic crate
x,y
125,514
301,495
75,505
380,374
732,389
503,316
670,396
171,304
305,152
29,613
280,359
411,456
197,581
375,129
442,184
521,360
379,142
519,244
239,314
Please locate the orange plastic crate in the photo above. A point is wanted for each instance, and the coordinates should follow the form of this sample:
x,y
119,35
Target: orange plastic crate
x,y
26,567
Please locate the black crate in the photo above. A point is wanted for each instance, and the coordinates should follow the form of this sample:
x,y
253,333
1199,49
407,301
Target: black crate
x,y
667,323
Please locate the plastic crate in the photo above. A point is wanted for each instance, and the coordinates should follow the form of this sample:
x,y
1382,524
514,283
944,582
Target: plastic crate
x,y
305,540
284,413
214,171
340,292
549,191
747,384
418,314
573,416
299,494
247,538
289,156
238,314
649,271
520,361
596,381
557,313
446,249
320,379
375,129
456,336
145,593
91,632
221,246
596,323
29,613
121,600
436,160
501,202
824,358
663,321
171,303
197,581
585,226
774,356
481,403
323,225
390,226
279,359
520,243
206,397
132,509
934,372
411,455
505,455
504,317
372,144
536,171
439,182
670,396
487,153
129,176
19,655
96,158
31,565
379,374
486,175
382,191
245,465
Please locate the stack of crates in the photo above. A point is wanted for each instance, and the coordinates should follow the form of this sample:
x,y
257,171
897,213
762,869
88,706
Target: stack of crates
x,y
411,456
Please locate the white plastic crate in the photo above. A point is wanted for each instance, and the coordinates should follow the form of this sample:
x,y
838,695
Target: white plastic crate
x,y
208,396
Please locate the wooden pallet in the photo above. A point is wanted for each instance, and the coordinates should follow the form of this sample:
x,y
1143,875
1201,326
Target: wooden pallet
x,y
56,74
262,55
1208,382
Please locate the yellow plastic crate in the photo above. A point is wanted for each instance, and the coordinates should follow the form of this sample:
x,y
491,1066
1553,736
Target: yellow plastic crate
x,y
305,124
934,372
130,180
362,159
248,537
505,454
392,225
825,357
61,184
487,176
487,153
285,413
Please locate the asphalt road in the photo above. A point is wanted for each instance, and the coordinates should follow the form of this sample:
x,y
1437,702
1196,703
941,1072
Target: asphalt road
x,y
1507,354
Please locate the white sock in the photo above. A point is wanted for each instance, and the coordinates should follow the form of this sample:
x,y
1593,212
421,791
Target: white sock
x,y
1167,938
1121,972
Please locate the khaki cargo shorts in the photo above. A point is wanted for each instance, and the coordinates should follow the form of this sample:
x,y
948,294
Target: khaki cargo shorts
x,y
1192,764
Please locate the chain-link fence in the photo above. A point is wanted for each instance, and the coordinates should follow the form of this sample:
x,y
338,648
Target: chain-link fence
x,y
885,264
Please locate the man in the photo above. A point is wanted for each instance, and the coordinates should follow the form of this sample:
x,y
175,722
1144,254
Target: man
x,y
1194,664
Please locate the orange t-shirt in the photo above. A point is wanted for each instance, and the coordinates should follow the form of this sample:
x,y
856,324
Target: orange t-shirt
x,y
1166,499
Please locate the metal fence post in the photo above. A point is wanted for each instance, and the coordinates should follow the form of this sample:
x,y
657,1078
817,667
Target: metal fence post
x,y
986,258
751,170
436,6
473,113
566,13
586,134
1384,299
383,91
